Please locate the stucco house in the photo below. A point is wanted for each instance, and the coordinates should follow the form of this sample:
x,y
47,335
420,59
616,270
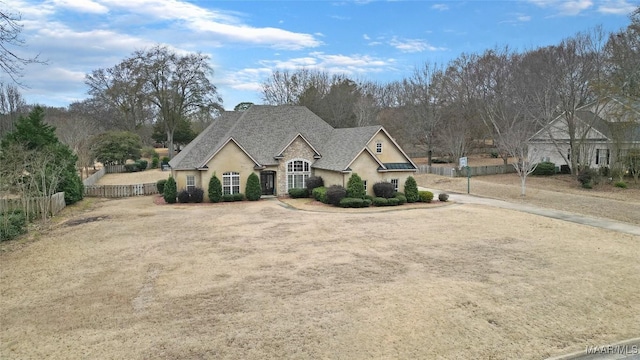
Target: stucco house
x,y
284,145
605,130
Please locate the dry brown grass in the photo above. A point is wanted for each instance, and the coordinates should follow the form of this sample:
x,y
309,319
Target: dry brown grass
x,y
560,192
141,177
253,280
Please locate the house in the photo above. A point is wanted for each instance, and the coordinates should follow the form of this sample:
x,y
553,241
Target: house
x,y
605,131
284,145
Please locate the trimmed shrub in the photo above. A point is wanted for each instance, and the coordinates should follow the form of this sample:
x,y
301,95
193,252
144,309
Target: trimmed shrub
x,y
238,197
620,184
335,193
184,197
354,203
368,197
320,194
380,201
545,168
165,159
215,189
197,195
142,164
131,167
425,196
228,197
411,190
170,191
314,182
154,163
253,188
298,193
355,187
401,198
443,197
160,185
393,201
384,189
12,225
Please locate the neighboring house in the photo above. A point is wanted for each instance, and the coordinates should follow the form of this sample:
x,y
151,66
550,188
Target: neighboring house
x,y
605,132
284,145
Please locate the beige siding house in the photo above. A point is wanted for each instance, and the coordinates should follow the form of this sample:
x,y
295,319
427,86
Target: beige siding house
x,y
284,145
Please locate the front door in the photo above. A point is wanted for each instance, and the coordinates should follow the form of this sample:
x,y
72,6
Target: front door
x,y
268,182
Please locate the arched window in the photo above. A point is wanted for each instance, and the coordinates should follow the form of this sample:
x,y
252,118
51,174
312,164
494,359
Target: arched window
x,y
231,183
297,173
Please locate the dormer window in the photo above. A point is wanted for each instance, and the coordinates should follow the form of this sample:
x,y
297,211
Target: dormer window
x,y
379,147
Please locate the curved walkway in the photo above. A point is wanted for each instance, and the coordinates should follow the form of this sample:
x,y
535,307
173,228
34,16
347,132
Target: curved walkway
x,y
555,214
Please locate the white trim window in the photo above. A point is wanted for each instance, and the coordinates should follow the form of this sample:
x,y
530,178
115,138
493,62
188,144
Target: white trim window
x,y
298,171
230,183
379,147
602,157
191,183
395,182
364,182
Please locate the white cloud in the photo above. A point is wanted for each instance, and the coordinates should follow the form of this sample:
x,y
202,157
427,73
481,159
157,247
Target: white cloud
x,y
441,7
84,6
413,45
565,8
616,7
333,63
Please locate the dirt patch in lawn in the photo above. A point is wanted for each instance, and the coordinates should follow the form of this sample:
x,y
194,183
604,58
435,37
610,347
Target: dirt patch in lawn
x,y
255,280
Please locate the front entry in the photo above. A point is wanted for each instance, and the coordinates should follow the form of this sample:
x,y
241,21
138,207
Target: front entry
x,y
268,182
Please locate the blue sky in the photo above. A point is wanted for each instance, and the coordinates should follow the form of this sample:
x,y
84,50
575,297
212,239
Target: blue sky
x,y
367,40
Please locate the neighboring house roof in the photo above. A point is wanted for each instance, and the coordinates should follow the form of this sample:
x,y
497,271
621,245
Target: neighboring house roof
x,y
611,119
264,132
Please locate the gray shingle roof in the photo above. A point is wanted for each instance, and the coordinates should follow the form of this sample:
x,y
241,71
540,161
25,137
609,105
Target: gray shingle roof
x,y
264,131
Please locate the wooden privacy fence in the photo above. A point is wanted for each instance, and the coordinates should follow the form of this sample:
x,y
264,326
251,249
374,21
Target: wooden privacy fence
x,y
114,169
120,191
91,180
475,170
55,206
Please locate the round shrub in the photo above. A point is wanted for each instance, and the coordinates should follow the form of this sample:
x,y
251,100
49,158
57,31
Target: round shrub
x,y
401,198
238,197
183,196
170,191
154,163
380,201
142,164
443,197
131,167
353,203
196,195
320,194
335,193
384,189
253,188
355,187
425,196
393,201
620,184
228,198
160,185
165,160
215,189
314,182
545,168
411,190
298,193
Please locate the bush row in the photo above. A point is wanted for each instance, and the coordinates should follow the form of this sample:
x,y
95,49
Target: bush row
x,y
139,165
196,195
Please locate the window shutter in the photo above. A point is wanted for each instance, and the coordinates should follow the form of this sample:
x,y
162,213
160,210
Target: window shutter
x,y
597,156
608,151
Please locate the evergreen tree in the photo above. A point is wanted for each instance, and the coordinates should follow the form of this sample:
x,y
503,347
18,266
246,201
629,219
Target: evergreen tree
x,y
215,189
170,191
355,187
411,190
253,189
34,134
